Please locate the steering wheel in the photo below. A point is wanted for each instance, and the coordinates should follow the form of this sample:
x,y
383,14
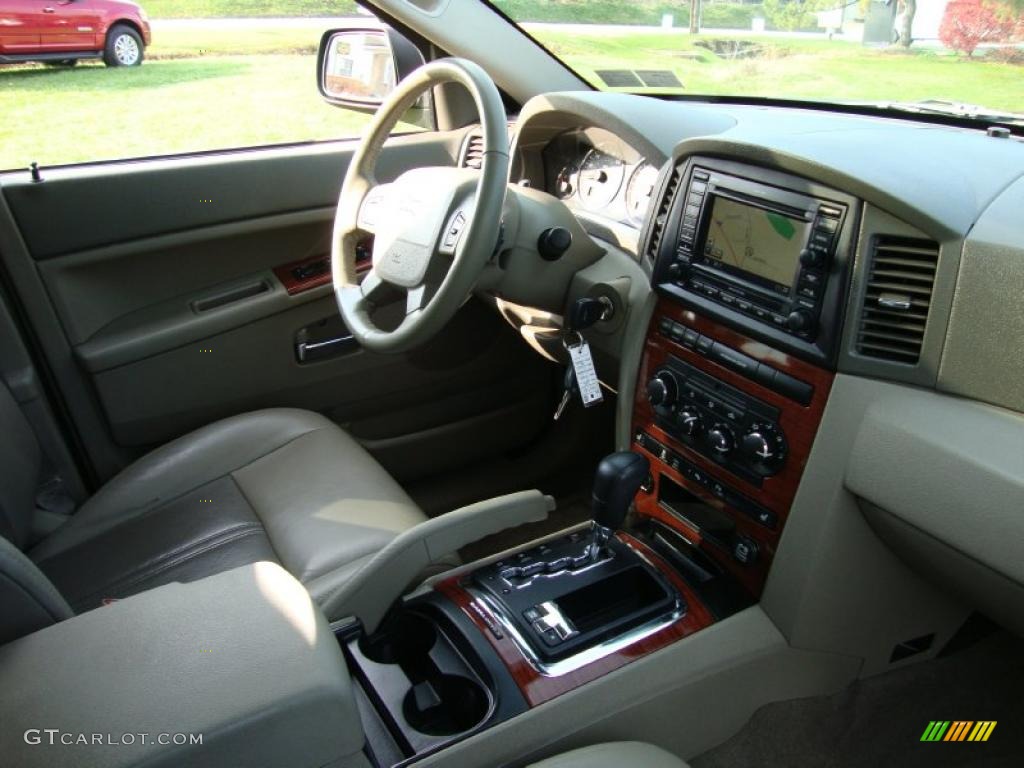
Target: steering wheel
x,y
434,228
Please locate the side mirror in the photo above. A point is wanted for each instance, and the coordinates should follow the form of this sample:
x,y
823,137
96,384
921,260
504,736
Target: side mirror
x,y
358,67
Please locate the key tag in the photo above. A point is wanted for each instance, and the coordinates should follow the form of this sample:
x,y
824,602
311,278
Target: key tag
x,y
583,366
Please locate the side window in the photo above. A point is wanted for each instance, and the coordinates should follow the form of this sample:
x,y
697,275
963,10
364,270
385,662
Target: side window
x,y
100,80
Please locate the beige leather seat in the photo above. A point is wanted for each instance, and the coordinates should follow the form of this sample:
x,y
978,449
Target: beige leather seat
x,y
614,754
283,485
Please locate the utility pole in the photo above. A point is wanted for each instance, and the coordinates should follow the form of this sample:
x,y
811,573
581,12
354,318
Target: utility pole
x,y
694,16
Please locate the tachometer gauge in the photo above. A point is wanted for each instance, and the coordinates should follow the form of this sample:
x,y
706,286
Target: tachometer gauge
x,y
600,179
565,182
639,191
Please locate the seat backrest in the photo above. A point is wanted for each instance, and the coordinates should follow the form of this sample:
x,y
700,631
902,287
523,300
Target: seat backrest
x,y
20,459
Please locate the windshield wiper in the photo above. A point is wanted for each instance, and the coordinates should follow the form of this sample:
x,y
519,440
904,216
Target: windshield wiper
x,y
953,108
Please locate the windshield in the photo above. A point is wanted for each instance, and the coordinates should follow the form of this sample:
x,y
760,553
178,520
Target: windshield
x,y
960,57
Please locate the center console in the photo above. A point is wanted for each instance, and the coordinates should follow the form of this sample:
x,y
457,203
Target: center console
x,y
751,267
737,364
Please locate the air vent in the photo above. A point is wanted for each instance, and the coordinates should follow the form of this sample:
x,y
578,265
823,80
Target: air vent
x,y
661,215
899,292
473,152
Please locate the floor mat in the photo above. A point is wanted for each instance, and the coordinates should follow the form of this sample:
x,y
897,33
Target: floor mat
x,y
880,721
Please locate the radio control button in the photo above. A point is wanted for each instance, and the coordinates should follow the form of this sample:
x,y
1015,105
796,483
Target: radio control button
x,y
704,345
810,278
765,375
699,186
664,326
810,291
690,337
827,223
812,257
799,320
678,332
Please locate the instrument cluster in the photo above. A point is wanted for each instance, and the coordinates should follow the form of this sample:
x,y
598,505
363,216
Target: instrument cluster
x,y
595,172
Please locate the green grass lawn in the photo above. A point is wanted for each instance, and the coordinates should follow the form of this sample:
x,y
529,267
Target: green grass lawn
x,y
799,69
177,42
164,107
204,89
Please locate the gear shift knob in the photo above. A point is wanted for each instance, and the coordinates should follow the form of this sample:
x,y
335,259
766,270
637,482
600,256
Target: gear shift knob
x,y
618,478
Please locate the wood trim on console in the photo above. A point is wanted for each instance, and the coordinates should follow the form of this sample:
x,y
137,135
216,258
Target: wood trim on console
x,y
537,688
798,422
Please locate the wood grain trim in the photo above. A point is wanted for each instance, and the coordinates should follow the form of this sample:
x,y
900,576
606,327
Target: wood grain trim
x,y
294,285
537,688
799,423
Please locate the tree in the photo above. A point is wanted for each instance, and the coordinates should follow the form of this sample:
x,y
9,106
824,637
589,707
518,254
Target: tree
x,y
794,14
968,23
907,22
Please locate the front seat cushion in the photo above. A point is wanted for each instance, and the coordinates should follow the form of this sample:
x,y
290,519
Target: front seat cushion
x,y
614,754
283,485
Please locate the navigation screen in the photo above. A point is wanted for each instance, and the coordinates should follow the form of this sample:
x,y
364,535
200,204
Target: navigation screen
x,y
755,241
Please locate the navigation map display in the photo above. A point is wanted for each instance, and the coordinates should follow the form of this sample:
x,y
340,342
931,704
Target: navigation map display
x,y
755,241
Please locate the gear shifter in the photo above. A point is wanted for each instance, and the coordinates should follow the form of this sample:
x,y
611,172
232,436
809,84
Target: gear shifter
x,y
618,478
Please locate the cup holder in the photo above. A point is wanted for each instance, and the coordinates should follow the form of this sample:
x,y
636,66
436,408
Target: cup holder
x,y
445,705
406,639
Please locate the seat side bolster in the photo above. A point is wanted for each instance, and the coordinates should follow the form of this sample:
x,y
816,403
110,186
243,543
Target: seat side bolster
x,y
181,466
28,601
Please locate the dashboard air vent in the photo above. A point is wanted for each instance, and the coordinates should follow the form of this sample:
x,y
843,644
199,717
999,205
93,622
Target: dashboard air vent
x,y
473,152
899,291
661,215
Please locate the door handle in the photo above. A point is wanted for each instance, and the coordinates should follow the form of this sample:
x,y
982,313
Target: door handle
x,y
309,351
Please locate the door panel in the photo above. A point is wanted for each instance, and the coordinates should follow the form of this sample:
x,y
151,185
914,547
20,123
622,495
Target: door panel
x,y
161,312
68,26
19,26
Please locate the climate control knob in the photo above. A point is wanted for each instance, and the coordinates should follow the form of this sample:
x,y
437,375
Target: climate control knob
x,y
662,389
721,439
688,421
764,447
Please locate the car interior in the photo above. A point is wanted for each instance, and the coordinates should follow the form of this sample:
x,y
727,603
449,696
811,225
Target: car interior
x,y
579,429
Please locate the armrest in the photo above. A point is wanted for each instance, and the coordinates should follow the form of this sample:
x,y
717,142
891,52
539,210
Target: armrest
x,y
243,658
370,593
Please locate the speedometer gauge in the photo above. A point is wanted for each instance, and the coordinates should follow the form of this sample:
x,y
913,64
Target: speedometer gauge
x,y
600,179
639,191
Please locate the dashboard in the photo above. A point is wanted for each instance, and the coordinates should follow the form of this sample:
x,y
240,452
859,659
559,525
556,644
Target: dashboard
x,y
822,293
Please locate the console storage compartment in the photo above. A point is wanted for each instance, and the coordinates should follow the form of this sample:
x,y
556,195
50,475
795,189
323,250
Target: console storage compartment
x,y
243,658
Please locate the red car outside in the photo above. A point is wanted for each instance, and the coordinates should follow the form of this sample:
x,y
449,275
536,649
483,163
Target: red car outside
x,y
64,31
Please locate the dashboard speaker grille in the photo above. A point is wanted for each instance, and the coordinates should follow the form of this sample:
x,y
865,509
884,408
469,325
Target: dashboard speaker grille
x,y
473,152
899,293
661,215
